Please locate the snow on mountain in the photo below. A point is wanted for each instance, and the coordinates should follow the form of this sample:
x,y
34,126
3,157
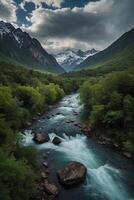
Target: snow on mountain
x,y
69,58
21,47
4,28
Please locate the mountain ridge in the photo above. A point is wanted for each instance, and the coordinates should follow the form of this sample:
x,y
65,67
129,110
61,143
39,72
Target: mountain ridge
x,y
22,48
70,58
119,52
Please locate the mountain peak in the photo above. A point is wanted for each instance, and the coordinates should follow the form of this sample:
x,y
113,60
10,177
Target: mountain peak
x,y
69,58
21,47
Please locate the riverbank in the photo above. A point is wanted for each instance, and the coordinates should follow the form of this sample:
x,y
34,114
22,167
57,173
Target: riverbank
x,y
102,139
107,171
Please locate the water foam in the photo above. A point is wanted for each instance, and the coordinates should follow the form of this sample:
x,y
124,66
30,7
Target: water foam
x,y
103,181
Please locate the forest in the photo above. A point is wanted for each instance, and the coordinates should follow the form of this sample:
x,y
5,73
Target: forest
x,y
109,100
27,94
24,95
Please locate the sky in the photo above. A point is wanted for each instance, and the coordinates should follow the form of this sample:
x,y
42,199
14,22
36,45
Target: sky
x,y
77,24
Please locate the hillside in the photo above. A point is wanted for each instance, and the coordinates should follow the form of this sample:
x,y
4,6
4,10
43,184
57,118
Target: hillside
x,y
18,46
119,54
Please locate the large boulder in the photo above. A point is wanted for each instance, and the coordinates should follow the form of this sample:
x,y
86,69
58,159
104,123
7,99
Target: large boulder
x,y
72,174
56,141
50,188
40,137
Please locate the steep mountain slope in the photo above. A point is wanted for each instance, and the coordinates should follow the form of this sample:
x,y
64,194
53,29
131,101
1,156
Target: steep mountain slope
x,y
119,54
69,58
19,46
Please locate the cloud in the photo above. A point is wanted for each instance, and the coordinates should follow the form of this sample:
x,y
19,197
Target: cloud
x,y
7,10
97,24
54,3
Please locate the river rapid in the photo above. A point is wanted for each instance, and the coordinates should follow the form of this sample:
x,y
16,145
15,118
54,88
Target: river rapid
x,y
110,176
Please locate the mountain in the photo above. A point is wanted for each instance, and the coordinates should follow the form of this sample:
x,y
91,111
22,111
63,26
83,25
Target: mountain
x,y
69,58
18,46
118,55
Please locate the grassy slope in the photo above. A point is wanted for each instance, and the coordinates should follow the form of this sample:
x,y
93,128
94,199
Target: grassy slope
x,y
7,60
118,55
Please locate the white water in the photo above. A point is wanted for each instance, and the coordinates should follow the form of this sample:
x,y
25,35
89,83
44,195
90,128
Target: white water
x,y
103,180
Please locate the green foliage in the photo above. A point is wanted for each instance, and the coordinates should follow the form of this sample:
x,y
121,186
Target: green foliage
x,y
97,114
53,92
117,56
17,180
113,118
29,154
23,94
6,133
29,98
129,146
110,100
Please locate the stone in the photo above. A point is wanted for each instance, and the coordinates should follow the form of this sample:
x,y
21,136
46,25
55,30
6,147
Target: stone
x,y
128,155
40,137
45,164
29,123
72,174
58,113
43,175
56,141
116,145
45,156
50,188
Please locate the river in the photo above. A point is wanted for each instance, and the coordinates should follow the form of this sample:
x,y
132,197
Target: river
x,y
110,176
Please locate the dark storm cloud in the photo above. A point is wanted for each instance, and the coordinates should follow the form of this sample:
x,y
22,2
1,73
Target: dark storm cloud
x,y
98,23
122,14
78,25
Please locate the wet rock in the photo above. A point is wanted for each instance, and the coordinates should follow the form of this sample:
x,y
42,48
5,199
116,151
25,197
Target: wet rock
x,y
76,124
46,196
47,171
44,175
72,121
45,164
56,141
35,118
116,145
128,155
45,156
50,188
101,142
58,113
72,174
28,123
40,137
68,122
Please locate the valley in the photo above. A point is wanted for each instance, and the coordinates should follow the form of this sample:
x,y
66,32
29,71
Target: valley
x,y
66,118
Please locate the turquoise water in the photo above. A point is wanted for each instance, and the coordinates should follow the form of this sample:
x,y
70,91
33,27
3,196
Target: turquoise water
x,y
109,175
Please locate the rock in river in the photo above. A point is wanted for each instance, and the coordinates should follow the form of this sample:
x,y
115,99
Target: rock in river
x,y
56,141
40,137
51,189
72,174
